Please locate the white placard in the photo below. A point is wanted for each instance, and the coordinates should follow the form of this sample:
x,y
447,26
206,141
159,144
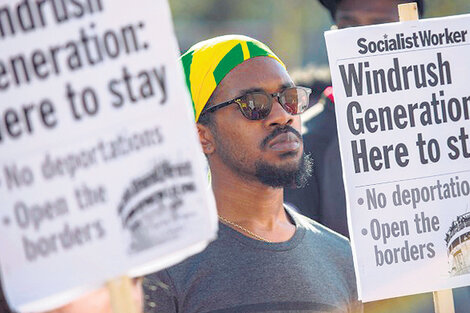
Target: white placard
x,y
101,172
403,110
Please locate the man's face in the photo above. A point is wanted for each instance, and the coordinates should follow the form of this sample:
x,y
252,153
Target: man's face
x,y
268,150
366,12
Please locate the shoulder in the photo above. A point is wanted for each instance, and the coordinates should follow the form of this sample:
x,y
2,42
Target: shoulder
x,y
333,250
322,235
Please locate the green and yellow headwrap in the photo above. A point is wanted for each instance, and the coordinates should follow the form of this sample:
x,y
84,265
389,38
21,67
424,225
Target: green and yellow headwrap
x,y
206,64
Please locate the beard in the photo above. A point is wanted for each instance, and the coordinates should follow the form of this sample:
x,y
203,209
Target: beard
x,y
291,174
288,176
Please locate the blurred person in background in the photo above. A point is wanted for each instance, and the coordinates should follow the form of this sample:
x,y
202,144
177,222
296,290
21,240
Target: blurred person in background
x,y
324,200
350,13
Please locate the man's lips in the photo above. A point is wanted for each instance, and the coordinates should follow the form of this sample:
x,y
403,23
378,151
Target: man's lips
x,y
285,142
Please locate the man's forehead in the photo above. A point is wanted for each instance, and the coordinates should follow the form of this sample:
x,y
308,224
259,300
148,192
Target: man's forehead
x,y
261,73
281,86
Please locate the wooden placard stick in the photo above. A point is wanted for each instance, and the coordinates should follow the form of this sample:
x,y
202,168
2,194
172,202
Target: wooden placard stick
x,y
443,299
408,12
120,293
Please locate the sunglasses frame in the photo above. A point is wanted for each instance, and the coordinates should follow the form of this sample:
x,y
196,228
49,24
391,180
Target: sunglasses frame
x,y
271,96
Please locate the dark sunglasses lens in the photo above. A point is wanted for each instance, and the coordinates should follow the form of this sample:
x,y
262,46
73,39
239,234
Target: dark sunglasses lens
x,y
255,106
295,100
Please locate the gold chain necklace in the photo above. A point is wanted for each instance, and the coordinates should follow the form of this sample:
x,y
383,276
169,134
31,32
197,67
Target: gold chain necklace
x,y
226,221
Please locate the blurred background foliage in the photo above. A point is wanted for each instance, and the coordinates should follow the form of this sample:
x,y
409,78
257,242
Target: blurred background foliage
x,y
292,28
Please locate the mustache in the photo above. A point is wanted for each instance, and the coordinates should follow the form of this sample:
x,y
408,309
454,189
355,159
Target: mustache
x,y
278,131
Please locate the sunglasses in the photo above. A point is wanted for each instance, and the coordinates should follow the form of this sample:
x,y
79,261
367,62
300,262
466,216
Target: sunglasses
x,y
257,105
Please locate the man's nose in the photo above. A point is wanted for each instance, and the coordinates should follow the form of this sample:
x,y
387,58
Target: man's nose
x,y
278,116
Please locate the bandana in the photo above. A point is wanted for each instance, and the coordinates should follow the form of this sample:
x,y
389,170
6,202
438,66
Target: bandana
x,y
206,64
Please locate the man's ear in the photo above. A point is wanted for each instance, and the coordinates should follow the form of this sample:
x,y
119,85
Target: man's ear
x,y
206,138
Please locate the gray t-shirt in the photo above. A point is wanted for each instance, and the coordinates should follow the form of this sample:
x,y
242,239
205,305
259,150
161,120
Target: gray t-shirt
x,y
311,272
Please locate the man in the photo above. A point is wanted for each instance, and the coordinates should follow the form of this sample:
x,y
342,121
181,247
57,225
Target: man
x,y
266,258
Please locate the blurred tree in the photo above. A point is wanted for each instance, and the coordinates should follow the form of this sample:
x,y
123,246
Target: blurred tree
x,y
293,28
437,8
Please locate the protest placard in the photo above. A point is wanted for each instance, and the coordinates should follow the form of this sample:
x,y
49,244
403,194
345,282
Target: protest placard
x,y
403,108
101,173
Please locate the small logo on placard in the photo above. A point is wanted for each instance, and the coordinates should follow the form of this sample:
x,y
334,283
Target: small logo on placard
x,y
458,245
150,205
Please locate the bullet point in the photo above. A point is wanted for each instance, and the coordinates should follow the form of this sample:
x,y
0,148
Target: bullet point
x,y
6,221
360,201
364,231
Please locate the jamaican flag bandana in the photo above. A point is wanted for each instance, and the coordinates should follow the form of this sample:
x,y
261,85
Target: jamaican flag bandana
x,y
206,64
